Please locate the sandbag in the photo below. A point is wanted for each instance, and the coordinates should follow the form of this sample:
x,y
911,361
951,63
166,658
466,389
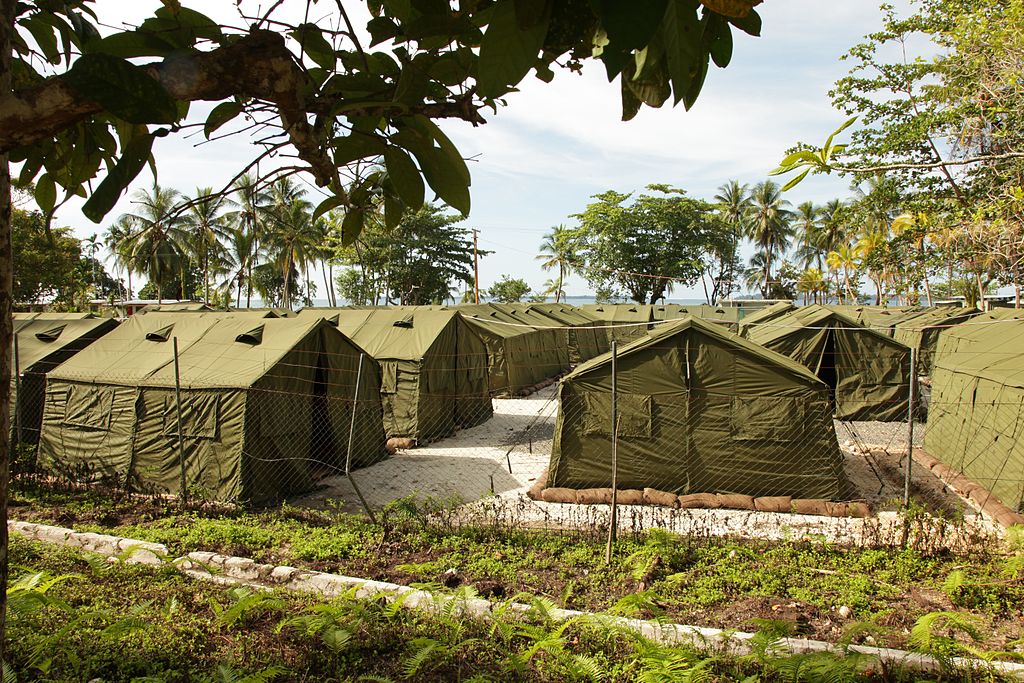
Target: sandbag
x,y
838,509
535,492
773,504
810,506
662,498
858,509
736,501
630,497
707,501
594,496
400,443
557,494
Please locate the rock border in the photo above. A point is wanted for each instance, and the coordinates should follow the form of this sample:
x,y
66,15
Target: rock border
x,y
226,569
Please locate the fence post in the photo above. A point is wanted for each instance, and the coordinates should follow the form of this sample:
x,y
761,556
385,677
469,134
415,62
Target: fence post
x,y
182,485
17,392
614,521
910,427
351,438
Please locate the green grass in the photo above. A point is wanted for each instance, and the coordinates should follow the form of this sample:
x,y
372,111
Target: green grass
x,y
75,618
711,582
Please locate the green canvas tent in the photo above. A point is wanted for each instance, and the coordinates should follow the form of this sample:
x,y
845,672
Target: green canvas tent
x,y
868,371
624,322
921,331
512,349
763,315
880,318
552,355
177,307
41,345
701,410
265,403
976,404
52,315
434,367
583,335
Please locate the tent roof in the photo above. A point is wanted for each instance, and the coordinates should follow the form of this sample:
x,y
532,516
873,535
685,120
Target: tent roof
x,y
53,315
39,338
994,349
670,329
493,320
805,317
176,307
563,313
214,352
766,313
393,333
631,313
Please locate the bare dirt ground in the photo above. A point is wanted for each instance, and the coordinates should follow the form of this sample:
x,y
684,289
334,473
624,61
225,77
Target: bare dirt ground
x,y
504,457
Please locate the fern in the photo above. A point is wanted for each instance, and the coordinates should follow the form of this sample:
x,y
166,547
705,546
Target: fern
x,y
422,649
245,603
935,634
227,674
635,604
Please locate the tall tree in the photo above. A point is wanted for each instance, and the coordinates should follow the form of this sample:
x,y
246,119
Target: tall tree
x,y
558,251
733,200
769,227
646,246
807,227
249,200
206,227
158,238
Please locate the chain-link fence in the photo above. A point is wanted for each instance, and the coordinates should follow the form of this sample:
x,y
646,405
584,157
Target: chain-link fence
x,y
690,417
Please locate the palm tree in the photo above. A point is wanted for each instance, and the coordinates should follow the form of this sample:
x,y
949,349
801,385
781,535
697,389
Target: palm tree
x,y
158,237
292,237
248,215
118,245
553,287
733,205
870,245
769,226
806,223
557,250
207,227
845,259
811,282
918,223
236,259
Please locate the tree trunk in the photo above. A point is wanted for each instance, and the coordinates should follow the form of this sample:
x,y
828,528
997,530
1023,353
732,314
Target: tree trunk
x,y
238,298
561,276
7,10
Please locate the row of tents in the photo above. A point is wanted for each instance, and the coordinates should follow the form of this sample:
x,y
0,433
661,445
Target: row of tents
x,y
713,393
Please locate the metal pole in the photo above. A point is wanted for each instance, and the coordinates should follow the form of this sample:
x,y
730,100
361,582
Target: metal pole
x,y
476,270
17,391
351,439
614,522
910,427
183,486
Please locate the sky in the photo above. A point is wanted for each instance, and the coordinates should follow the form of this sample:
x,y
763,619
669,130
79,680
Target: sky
x,y
541,158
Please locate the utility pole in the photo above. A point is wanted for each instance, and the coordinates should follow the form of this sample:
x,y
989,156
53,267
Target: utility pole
x,y
476,270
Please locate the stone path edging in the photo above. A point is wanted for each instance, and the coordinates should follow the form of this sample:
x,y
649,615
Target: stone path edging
x,y
227,569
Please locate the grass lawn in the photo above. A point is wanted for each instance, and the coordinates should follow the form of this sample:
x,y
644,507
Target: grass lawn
x,y
813,589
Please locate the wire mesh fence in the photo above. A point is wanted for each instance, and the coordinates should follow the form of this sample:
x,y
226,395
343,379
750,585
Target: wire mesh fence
x,y
689,418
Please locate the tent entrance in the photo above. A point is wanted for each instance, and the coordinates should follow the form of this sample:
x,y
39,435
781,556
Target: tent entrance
x,y
826,370
324,447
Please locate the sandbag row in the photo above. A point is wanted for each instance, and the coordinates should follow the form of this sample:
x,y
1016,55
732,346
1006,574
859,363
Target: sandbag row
x,y
709,501
967,488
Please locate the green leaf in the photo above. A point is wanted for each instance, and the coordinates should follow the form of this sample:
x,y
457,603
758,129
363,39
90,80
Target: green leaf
x,y
329,204
349,148
681,36
106,194
721,46
799,155
130,44
630,25
315,45
221,114
445,178
393,212
507,53
795,181
125,90
46,193
351,226
404,176
750,24
828,143
43,34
